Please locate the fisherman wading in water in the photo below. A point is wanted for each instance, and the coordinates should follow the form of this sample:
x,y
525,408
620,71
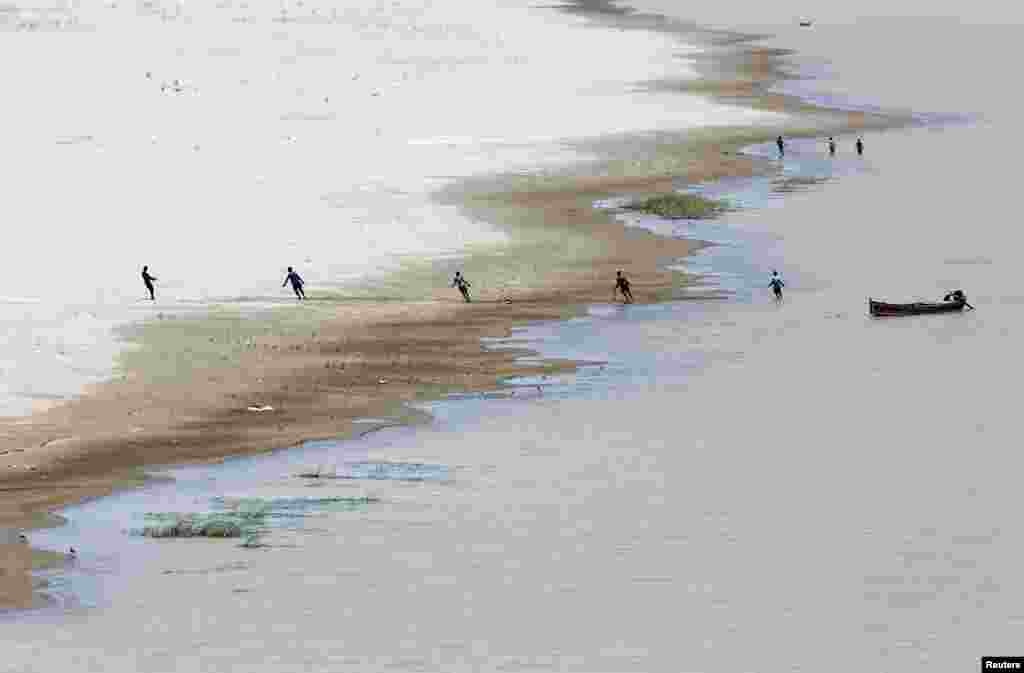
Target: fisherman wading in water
x,y
296,282
776,285
959,297
148,280
460,282
622,285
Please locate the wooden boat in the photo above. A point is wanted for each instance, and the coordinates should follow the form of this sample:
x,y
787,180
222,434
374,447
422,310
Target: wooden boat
x,y
884,309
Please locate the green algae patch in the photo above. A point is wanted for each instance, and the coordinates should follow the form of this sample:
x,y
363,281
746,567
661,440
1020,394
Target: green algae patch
x,y
679,205
175,347
44,559
246,518
212,525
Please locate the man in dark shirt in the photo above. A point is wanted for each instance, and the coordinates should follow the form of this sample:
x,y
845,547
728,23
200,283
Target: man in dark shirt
x,y
148,280
460,282
622,285
776,285
296,282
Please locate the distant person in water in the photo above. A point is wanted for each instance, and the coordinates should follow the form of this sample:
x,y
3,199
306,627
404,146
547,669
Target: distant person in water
x,y
831,146
148,280
781,145
296,282
860,147
460,282
959,297
622,285
776,285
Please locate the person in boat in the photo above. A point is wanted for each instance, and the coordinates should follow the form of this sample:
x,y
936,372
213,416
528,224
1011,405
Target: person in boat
x,y
622,285
776,285
831,146
860,147
148,280
959,297
781,145
297,283
460,282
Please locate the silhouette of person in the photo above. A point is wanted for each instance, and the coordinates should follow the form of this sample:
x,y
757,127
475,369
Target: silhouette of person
x,y
781,145
831,146
776,285
148,280
622,285
860,147
296,282
460,282
958,296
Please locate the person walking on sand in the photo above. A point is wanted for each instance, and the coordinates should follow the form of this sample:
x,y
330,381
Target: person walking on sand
x,y
776,285
781,145
622,285
460,282
296,282
831,146
860,147
148,280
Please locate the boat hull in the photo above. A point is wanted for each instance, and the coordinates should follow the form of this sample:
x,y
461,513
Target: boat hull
x,y
885,309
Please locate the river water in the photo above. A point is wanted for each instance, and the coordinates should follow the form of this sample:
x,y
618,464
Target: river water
x,y
733,485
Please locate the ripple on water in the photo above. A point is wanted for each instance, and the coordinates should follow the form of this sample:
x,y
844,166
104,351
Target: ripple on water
x,y
383,470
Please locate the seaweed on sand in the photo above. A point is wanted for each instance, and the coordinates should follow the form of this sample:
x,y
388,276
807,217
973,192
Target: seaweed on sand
x,y
679,205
